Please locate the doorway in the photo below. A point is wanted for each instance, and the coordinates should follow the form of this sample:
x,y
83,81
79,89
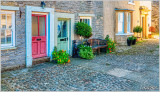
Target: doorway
x,y
38,35
63,35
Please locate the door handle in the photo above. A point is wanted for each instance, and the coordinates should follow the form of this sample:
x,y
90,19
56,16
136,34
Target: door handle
x,y
38,39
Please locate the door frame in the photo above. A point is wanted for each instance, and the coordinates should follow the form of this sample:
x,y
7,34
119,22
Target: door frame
x,y
71,18
49,31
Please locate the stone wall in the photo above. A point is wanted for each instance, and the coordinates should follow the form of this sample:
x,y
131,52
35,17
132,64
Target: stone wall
x,y
85,7
155,15
16,57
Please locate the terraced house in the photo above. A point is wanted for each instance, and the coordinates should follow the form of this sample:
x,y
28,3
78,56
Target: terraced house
x,y
30,30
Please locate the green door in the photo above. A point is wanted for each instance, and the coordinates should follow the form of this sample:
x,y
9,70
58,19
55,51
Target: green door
x,y
63,34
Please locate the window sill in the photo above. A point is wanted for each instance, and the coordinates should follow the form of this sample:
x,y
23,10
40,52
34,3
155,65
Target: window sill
x,y
8,48
124,33
131,3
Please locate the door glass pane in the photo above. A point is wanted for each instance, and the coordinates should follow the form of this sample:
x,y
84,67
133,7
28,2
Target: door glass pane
x,y
62,28
3,20
59,29
8,36
34,26
42,26
64,31
2,36
9,21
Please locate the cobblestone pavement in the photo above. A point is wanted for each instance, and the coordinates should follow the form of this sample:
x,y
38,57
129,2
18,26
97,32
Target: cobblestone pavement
x,y
134,69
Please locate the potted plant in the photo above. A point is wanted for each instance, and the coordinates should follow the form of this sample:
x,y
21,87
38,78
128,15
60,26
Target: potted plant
x,y
83,29
138,29
129,41
134,40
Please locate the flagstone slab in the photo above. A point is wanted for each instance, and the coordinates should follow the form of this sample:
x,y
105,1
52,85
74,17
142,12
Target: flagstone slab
x,y
119,72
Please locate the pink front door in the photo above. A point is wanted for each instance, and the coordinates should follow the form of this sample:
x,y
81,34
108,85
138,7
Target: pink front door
x,y
38,36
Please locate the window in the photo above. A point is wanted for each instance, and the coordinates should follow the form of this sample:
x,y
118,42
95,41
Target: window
x,y
131,2
128,22
7,28
121,22
86,20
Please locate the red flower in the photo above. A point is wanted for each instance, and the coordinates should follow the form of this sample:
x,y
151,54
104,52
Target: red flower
x,y
152,29
109,48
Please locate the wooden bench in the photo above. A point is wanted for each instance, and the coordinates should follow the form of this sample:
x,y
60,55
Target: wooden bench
x,y
97,44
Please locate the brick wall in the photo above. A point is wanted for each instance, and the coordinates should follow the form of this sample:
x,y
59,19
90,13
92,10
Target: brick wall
x,y
16,58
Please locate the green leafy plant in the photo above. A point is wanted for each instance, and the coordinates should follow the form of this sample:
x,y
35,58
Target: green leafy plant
x,y
110,44
135,38
83,30
60,57
132,38
85,52
137,29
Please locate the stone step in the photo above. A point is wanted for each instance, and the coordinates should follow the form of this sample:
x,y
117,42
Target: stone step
x,y
40,60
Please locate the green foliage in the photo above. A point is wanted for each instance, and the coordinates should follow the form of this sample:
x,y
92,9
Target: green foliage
x,y
132,38
83,30
137,29
85,52
110,44
60,56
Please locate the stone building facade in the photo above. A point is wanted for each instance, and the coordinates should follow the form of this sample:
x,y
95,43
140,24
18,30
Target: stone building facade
x,y
102,16
155,15
13,57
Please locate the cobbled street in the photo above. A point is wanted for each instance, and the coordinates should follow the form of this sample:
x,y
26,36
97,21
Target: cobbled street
x,y
133,69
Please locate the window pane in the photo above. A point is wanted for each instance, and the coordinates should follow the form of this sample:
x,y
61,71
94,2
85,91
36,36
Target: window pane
x,y
9,21
8,36
88,22
80,20
2,36
42,26
129,22
34,26
120,22
85,20
3,20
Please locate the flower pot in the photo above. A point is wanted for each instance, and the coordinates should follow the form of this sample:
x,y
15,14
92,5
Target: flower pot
x,y
139,38
134,42
129,42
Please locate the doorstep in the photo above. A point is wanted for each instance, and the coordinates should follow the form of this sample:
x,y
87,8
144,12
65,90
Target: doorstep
x,y
40,60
